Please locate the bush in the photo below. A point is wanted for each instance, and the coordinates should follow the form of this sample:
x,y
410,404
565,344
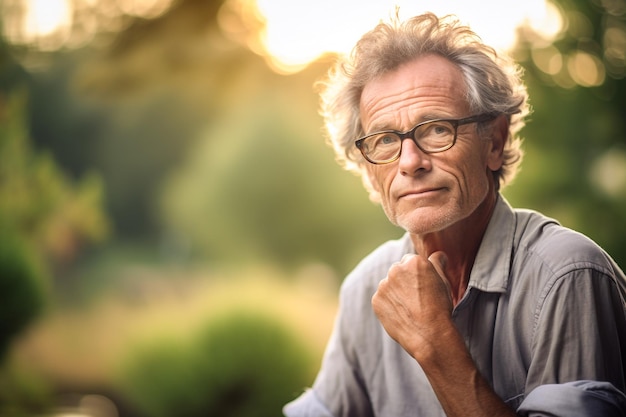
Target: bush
x,y
241,365
22,292
23,393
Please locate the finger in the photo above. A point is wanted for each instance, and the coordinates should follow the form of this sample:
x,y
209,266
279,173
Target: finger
x,y
407,257
397,265
439,260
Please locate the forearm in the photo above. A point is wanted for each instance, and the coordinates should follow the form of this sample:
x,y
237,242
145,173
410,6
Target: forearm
x,y
414,305
459,386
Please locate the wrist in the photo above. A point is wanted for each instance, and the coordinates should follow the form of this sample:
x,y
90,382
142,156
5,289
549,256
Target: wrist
x,y
439,345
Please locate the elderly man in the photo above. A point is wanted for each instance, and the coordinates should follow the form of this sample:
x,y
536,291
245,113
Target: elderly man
x,y
480,309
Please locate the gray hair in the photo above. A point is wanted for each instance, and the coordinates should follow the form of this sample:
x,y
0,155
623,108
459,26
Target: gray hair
x,y
493,82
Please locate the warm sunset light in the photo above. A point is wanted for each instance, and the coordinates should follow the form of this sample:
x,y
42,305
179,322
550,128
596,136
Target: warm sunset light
x,y
45,16
299,31
295,32
48,23
41,19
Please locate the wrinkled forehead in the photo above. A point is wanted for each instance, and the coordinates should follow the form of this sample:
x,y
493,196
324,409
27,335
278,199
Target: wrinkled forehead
x,y
425,88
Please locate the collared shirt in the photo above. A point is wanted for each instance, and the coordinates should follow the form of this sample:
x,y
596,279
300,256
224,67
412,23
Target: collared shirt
x,y
544,314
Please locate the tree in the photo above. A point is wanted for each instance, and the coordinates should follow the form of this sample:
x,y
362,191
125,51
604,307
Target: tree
x,y
575,168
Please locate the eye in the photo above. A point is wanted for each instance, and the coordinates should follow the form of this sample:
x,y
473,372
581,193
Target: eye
x,y
382,141
435,135
439,129
434,131
386,140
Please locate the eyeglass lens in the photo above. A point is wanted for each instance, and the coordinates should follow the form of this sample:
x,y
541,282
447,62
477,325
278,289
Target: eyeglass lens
x,y
434,136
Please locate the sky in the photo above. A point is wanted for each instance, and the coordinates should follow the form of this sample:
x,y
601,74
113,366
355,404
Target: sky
x,y
299,31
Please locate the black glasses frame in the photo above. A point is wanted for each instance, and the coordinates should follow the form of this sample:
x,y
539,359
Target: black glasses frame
x,y
409,134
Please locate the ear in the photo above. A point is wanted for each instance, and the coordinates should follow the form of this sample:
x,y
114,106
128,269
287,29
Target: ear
x,y
499,135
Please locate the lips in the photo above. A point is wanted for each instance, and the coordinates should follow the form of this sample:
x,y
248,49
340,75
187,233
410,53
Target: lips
x,y
421,191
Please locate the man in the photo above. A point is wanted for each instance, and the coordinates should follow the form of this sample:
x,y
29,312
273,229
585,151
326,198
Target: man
x,y
480,309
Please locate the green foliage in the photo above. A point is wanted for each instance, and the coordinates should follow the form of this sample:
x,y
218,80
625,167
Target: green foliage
x,y
240,365
45,219
23,393
575,141
53,213
22,289
269,190
132,143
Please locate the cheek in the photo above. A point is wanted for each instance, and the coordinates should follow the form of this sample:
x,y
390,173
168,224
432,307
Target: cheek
x,y
477,177
380,177
470,173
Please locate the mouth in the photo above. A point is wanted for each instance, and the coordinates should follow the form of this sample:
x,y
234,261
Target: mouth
x,y
419,193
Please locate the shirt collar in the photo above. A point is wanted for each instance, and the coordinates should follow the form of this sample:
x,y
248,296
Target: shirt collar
x,y
493,261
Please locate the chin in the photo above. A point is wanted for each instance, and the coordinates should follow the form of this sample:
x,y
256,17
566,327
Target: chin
x,y
423,224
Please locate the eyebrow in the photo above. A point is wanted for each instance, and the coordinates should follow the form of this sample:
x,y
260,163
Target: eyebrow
x,y
424,118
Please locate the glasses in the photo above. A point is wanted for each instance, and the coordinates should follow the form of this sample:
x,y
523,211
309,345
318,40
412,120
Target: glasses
x,y
431,136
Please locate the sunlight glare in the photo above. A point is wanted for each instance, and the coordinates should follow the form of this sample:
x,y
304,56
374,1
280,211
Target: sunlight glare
x,y
299,31
147,9
545,19
44,17
586,69
49,24
548,59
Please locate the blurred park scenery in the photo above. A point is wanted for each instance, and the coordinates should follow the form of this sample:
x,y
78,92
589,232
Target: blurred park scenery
x,y
173,226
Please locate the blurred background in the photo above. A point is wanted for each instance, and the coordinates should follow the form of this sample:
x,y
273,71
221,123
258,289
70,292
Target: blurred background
x,y
173,227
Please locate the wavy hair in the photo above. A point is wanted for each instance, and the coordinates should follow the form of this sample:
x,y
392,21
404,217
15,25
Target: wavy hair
x,y
493,83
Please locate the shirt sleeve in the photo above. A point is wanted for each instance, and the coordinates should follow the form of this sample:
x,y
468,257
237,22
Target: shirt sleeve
x,y
574,399
343,387
577,366
306,405
339,389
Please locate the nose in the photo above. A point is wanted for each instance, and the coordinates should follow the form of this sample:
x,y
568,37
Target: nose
x,y
412,159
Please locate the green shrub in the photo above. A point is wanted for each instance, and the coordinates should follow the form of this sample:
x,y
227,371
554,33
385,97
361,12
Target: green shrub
x,y
22,294
23,393
240,365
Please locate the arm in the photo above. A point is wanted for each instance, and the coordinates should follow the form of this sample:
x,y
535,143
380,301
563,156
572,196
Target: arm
x,y
578,346
414,306
338,390
575,399
457,383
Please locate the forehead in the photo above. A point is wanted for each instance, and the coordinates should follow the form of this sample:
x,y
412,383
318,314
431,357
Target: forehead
x,y
426,87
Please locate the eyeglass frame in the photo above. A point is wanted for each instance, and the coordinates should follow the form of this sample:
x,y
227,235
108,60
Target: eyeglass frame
x,y
409,134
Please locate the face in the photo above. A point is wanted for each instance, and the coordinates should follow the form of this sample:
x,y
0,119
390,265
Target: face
x,y
426,193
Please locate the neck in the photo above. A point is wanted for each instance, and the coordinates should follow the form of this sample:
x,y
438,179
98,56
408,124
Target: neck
x,y
460,242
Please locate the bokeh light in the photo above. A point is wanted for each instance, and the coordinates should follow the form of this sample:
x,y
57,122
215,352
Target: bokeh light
x,y
294,33
51,25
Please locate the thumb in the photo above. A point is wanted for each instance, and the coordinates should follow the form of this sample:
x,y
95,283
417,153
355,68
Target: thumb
x,y
439,261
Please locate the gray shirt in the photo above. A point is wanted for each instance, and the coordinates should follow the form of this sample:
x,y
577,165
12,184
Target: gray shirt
x,y
543,317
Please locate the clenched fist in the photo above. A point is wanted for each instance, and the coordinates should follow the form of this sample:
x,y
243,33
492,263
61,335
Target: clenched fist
x,y
413,302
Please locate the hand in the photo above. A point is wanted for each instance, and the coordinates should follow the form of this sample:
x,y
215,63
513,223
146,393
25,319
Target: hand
x,y
413,302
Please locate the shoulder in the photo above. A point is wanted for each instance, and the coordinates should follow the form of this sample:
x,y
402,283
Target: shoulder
x,y
358,329
551,261
556,248
363,281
